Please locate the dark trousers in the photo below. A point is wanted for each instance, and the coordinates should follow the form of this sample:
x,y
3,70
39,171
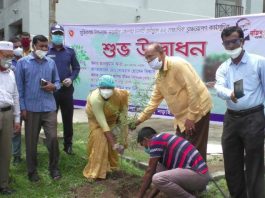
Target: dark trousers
x,y
244,134
16,143
199,138
64,101
33,124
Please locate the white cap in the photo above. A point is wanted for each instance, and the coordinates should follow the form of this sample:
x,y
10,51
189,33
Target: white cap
x,y
6,45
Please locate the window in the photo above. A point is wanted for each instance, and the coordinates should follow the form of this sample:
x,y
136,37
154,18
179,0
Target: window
x,y
222,10
1,4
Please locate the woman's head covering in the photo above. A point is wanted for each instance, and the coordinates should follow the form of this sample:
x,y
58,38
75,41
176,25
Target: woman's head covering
x,y
106,81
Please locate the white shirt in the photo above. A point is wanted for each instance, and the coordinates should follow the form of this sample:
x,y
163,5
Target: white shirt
x,y
252,70
8,92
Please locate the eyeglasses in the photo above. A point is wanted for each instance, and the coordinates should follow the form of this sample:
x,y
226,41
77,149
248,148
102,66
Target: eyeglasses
x,y
233,41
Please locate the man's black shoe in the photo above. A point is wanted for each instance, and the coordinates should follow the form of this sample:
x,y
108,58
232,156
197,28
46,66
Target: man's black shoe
x,y
6,191
17,160
34,177
55,174
68,150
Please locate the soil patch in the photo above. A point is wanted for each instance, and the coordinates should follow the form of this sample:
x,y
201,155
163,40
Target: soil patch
x,y
117,185
215,163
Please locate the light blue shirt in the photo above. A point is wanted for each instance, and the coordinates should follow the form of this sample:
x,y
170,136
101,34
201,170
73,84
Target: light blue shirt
x,y
28,74
252,70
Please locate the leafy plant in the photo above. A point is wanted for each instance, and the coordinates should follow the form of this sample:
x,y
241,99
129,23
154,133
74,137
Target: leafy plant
x,y
81,53
77,80
140,98
82,57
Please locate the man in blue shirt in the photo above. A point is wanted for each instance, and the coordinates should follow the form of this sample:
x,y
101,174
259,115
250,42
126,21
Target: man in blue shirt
x,y
68,68
37,80
241,83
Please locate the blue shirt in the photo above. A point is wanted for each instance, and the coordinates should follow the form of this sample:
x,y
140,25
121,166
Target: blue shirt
x,y
252,70
66,62
14,62
28,74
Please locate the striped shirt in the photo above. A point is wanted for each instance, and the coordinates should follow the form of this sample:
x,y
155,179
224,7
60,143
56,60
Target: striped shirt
x,y
176,152
29,72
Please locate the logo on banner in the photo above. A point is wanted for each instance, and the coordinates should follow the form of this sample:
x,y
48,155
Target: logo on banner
x,y
245,25
71,33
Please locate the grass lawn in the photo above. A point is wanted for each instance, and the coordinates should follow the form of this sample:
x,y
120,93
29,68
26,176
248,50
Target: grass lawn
x,y
71,168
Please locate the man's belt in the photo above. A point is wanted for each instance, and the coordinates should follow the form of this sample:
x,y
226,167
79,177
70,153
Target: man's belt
x,y
5,109
246,111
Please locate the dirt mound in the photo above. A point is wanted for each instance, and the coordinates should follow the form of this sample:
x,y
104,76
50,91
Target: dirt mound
x,y
117,185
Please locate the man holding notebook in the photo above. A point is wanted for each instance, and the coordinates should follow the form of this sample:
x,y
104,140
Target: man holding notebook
x,y
241,83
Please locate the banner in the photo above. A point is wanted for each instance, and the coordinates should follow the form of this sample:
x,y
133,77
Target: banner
x,y
118,50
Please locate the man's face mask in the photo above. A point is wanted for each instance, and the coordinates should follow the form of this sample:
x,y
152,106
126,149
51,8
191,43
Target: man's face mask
x,y
6,62
57,39
25,42
147,150
106,93
40,53
234,53
235,43
18,51
155,64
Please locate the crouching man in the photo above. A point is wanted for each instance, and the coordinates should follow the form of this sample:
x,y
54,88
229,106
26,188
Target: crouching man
x,y
176,168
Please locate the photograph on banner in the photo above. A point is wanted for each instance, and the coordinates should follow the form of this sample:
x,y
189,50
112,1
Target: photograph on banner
x,y
118,50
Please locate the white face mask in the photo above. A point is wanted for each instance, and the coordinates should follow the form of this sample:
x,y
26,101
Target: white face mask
x,y
18,51
41,53
6,62
155,64
106,93
234,53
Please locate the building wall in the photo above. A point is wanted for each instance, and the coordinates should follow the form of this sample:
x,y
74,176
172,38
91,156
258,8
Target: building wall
x,y
38,17
126,11
256,7
10,16
34,14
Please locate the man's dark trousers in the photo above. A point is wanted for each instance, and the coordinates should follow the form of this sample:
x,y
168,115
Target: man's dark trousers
x,y
199,138
64,101
33,124
243,146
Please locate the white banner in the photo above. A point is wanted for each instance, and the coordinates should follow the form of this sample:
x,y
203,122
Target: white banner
x,y
118,50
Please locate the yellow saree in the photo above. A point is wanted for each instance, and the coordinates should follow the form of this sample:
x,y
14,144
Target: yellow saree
x,y
101,157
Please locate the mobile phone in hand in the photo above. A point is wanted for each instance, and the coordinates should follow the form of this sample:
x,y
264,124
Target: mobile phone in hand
x,y
239,89
43,82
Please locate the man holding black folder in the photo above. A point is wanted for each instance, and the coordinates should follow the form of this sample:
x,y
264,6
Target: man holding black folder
x,y
241,83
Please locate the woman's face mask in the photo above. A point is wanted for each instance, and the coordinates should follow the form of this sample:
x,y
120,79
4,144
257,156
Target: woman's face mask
x,y
106,93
